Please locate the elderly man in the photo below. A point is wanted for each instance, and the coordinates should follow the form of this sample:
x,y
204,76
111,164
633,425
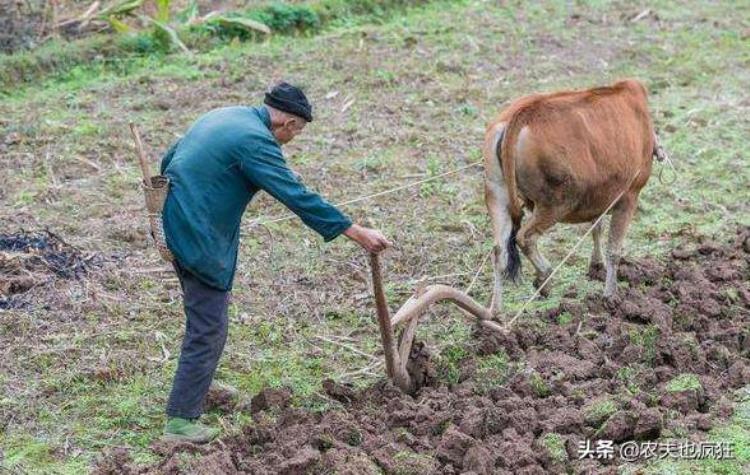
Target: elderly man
x,y
224,159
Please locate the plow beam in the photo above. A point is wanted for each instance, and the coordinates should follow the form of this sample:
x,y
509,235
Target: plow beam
x,y
396,359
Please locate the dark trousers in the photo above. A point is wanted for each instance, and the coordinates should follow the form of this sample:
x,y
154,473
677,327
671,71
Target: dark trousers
x,y
205,335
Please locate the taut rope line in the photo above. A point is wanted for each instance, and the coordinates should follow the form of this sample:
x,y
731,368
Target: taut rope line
x,y
374,195
478,271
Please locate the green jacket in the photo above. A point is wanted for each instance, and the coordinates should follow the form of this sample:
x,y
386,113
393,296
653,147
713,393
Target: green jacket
x,y
224,159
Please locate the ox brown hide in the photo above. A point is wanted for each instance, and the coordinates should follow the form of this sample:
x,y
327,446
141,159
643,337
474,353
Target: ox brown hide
x,y
566,157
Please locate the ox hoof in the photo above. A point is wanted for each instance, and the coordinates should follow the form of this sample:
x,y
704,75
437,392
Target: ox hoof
x,y
596,271
494,308
496,314
612,297
544,291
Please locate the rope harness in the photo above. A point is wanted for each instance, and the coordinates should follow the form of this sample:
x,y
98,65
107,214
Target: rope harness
x,y
662,156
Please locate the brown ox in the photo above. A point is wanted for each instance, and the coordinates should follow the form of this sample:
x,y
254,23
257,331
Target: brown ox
x,y
566,157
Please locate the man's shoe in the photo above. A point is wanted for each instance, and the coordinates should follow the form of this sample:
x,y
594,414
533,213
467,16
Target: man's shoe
x,y
186,430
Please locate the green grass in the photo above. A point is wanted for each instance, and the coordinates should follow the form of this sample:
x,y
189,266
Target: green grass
x,y
628,376
564,318
423,84
448,362
684,382
646,338
492,370
599,410
555,445
539,385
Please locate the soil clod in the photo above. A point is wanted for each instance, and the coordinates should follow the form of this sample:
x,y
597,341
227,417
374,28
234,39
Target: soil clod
x,y
270,398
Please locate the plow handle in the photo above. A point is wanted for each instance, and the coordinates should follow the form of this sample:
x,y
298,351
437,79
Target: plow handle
x,y
384,318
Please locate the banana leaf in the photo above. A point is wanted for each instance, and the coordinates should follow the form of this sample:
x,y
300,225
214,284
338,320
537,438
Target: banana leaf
x,y
189,14
239,22
118,25
171,33
124,7
162,10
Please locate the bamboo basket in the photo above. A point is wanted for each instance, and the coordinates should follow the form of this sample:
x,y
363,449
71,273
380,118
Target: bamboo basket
x,y
155,189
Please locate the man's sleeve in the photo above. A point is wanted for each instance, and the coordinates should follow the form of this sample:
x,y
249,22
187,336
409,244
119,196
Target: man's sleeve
x,y
167,158
263,164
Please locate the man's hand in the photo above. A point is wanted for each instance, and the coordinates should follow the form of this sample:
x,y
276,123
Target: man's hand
x,y
371,239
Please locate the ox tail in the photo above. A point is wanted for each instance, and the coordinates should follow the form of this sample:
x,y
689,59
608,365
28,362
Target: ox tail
x,y
506,226
505,154
514,258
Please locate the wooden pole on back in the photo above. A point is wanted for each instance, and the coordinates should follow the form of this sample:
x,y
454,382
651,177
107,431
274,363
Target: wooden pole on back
x,y
141,154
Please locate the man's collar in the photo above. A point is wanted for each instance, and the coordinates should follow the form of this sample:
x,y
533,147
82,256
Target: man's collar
x,y
265,116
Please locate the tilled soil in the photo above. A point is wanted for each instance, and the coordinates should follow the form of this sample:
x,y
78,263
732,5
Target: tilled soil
x,y
659,362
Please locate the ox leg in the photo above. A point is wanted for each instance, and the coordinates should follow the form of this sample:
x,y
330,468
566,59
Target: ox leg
x,y
496,198
540,221
596,264
622,215
496,301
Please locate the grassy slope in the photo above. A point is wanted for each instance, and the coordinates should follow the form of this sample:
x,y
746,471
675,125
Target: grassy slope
x,y
294,18
423,86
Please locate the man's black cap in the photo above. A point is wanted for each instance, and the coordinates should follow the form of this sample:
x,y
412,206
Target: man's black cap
x,y
291,99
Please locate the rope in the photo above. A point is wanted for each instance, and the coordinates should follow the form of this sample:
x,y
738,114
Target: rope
x,y
565,259
479,270
668,159
374,195
662,156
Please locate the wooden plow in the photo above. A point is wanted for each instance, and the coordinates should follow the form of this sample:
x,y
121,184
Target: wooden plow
x,y
396,359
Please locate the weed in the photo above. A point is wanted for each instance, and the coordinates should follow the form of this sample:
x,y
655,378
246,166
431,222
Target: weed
x,y
539,385
646,338
684,382
555,445
448,363
628,376
598,411
564,318
492,371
